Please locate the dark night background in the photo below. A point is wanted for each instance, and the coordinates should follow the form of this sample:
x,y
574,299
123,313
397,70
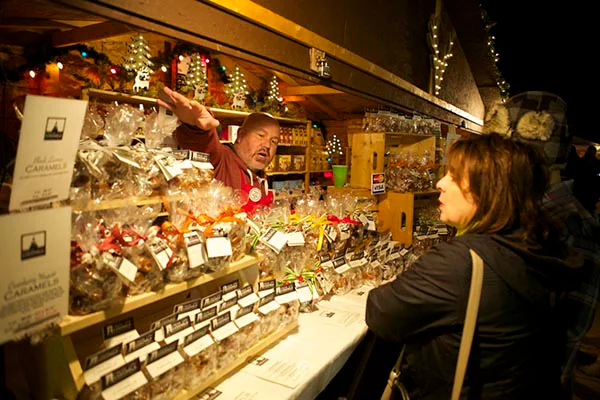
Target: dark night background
x,y
548,46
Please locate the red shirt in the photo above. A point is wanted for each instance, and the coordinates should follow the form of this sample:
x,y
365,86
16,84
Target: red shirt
x,y
229,167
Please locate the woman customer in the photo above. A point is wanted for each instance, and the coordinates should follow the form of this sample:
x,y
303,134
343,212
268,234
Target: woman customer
x,y
492,194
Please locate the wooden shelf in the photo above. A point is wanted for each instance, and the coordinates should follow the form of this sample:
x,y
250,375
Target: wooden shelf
x,y
244,357
109,96
72,323
291,145
286,173
321,171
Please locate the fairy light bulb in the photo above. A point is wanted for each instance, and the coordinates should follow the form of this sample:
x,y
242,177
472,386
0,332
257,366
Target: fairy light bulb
x,y
32,74
60,65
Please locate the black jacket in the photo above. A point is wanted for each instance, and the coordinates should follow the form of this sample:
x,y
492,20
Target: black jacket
x,y
519,338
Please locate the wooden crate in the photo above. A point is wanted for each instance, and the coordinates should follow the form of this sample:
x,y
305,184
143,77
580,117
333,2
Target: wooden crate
x,y
397,213
368,153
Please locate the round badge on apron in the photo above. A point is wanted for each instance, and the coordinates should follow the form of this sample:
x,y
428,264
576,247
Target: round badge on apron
x,y
255,194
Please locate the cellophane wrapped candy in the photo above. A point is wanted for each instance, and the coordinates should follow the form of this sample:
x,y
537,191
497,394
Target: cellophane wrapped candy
x,y
201,358
93,285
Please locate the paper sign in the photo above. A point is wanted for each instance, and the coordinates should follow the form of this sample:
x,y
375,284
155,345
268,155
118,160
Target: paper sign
x,y
47,147
378,183
35,254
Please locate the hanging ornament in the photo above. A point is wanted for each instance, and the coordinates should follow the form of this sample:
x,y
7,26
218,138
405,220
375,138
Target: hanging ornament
x,y
139,62
237,89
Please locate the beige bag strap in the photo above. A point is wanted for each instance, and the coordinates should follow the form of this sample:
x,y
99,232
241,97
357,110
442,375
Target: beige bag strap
x,y
470,321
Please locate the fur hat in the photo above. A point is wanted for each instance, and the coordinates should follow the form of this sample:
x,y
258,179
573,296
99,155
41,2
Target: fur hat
x,y
538,118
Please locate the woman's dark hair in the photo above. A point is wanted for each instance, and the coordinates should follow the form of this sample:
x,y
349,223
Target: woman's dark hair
x,y
507,180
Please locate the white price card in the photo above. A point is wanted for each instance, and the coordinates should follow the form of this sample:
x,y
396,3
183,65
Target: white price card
x,y
47,147
35,254
274,239
195,250
295,239
218,247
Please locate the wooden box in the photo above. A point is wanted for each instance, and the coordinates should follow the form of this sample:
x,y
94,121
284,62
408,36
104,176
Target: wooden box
x,y
368,153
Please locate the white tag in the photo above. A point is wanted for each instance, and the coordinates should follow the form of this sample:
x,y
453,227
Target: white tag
x,y
184,164
202,165
143,352
218,247
179,335
126,386
246,320
269,307
344,235
295,239
287,298
225,331
162,365
94,374
198,345
122,338
191,314
253,226
229,296
195,250
403,252
304,294
274,239
161,253
265,293
248,300
331,233
124,268
375,264
371,225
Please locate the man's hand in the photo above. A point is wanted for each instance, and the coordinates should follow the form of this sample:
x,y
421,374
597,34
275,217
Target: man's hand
x,y
188,112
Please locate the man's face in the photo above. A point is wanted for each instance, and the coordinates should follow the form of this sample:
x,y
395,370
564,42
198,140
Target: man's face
x,y
257,146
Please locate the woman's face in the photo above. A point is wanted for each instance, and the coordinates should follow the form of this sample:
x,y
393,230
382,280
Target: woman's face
x,y
456,208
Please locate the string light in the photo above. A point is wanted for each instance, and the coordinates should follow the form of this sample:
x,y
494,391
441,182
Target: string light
x,y
334,146
273,91
439,57
237,87
501,83
113,70
163,68
32,74
60,65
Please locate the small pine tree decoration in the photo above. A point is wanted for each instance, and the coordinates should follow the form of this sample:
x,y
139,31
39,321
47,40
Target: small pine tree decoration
x,y
139,61
273,90
237,88
197,78
334,148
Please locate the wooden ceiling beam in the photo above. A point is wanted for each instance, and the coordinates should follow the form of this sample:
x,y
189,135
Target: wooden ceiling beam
x,y
102,30
319,103
294,99
31,23
308,90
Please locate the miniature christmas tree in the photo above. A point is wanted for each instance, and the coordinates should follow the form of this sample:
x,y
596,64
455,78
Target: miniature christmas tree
x,y
334,148
273,91
139,61
236,88
197,78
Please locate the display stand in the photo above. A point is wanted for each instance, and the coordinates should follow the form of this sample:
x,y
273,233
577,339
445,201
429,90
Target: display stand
x,y
244,357
56,369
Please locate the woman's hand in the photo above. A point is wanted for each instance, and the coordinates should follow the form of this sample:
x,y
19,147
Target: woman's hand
x,y
188,111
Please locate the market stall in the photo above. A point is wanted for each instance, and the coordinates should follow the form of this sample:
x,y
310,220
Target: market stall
x,y
174,288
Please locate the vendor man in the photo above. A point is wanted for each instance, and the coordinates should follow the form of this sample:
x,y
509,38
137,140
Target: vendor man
x,y
240,165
